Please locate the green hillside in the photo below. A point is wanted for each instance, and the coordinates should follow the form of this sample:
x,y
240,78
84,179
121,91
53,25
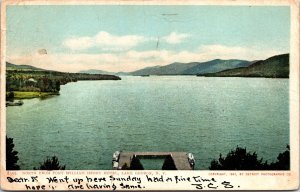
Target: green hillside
x,y
10,66
216,66
273,67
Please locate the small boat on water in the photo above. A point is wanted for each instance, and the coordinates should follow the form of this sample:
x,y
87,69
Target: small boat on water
x,y
14,103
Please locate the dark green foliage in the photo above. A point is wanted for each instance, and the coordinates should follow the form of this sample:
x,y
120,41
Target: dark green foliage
x,y
283,161
51,164
10,96
19,81
169,164
136,164
11,155
240,159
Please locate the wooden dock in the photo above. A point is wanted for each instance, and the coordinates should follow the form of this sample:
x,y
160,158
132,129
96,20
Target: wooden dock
x,y
180,158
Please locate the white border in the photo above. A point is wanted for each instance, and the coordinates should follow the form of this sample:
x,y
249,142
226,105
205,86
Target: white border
x,y
291,178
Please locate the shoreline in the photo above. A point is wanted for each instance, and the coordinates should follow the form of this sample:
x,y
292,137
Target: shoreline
x,y
30,95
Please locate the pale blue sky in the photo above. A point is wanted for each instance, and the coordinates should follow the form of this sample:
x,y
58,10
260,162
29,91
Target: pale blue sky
x,y
128,35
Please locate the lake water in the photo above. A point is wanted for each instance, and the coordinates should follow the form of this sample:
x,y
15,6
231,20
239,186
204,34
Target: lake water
x,y
90,120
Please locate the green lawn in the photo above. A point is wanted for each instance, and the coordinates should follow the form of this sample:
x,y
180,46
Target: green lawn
x,y
30,95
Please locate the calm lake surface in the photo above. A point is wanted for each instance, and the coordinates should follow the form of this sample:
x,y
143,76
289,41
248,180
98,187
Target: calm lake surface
x,y
90,120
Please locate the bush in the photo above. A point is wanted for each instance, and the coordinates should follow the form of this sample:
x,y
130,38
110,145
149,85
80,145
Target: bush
x,y
10,96
11,155
240,159
30,89
283,161
51,164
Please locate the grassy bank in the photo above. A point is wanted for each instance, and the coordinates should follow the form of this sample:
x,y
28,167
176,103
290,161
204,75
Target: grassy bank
x,y
30,95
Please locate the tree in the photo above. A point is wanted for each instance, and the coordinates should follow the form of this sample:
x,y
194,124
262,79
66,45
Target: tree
x,y
10,96
283,161
51,164
240,159
11,155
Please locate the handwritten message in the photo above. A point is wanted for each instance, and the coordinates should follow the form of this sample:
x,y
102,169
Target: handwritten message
x,y
115,180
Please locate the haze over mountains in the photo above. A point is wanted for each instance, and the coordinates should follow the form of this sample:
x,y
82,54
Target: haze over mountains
x,y
276,66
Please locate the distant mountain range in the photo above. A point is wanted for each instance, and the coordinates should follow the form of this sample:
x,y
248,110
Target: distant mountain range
x,y
276,66
192,68
273,67
96,71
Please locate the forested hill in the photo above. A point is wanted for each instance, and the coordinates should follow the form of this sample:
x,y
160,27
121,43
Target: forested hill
x,y
10,66
26,78
273,67
192,68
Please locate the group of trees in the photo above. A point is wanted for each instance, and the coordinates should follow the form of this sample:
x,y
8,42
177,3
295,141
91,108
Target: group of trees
x,y
51,163
37,84
240,159
32,81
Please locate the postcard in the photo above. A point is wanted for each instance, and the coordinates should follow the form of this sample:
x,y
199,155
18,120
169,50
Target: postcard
x,y
149,95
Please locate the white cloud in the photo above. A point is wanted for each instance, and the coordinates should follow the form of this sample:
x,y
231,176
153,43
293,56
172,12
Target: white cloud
x,y
109,42
236,52
134,60
175,38
79,43
105,41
